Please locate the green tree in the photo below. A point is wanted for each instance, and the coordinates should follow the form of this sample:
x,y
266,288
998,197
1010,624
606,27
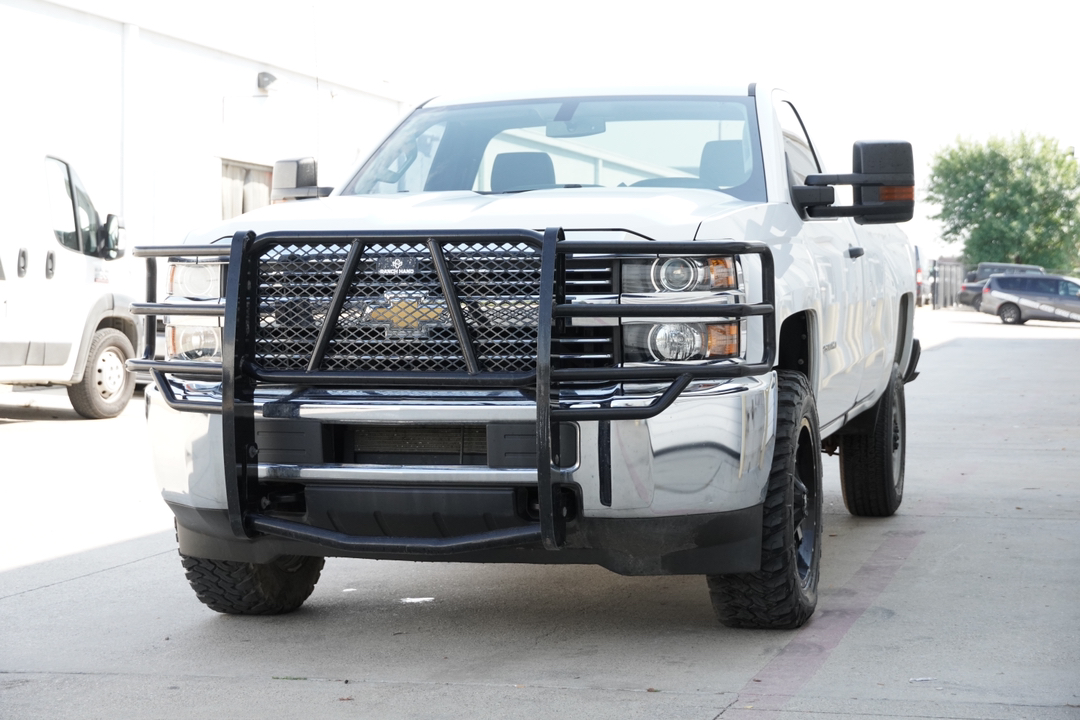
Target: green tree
x,y
1009,201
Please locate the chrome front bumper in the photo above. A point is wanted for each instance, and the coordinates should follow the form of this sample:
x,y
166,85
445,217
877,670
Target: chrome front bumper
x,y
709,452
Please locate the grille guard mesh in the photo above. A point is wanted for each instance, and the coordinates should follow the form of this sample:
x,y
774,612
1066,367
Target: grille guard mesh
x,y
491,320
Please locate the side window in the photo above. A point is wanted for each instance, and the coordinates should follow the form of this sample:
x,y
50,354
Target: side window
x,y
800,152
1069,288
87,217
1044,286
1008,283
61,209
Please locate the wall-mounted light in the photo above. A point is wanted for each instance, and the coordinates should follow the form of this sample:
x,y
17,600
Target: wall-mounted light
x,y
265,80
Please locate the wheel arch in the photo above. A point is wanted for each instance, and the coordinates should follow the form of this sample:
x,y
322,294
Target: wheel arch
x,y
905,335
104,314
795,345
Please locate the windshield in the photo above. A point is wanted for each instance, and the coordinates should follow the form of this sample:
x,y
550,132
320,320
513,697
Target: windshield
x,y
509,147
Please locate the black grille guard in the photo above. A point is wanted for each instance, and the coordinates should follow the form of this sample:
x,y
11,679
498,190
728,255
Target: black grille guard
x,y
240,375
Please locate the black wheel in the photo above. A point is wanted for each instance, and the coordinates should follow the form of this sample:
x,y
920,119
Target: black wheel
x,y
872,455
240,588
783,593
106,385
977,303
1010,314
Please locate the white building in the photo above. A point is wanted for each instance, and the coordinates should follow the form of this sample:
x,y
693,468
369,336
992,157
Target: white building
x,y
166,132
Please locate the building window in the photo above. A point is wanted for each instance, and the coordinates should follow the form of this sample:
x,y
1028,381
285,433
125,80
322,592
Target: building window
x,y
244,187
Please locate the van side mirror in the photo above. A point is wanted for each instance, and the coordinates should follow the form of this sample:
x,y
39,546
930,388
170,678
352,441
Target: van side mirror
x,y
109,238
296,180
883,181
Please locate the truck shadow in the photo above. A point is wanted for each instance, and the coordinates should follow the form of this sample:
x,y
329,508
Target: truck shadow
x,y
425,612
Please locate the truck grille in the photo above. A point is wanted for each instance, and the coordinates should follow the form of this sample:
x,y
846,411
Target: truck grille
x,y
395,317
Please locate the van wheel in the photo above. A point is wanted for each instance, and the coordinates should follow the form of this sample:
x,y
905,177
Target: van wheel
x,y
106,385
783,593
240,588
872,457
1010,314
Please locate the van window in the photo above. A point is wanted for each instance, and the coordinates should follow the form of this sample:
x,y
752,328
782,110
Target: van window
x,y
1068,289
61,211
1009,283
1043,286
88,219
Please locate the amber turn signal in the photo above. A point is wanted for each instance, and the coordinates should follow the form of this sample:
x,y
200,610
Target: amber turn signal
x,y
723,340
722,273
897,193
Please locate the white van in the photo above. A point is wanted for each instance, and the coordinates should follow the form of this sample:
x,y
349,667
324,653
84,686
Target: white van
x,y
65,296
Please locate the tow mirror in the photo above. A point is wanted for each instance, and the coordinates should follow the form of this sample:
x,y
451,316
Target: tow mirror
x,y
110,238
296,180
882,180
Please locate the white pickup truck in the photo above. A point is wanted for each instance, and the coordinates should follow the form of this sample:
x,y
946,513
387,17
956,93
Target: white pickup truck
x,y
614,329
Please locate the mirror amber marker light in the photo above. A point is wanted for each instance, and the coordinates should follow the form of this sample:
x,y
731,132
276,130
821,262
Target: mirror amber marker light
x,y
897,193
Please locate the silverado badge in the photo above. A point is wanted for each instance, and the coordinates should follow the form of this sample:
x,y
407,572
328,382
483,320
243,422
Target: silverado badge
x,y
406,315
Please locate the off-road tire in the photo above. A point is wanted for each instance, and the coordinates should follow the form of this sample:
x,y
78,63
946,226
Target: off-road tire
x,y
872,455
783,593
240,588
106,385
1010,314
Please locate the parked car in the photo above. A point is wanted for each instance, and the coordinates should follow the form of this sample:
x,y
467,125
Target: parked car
x,y
986,269
1019,298
971,294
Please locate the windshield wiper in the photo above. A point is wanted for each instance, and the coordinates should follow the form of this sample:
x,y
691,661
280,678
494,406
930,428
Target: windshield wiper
x,y
530,188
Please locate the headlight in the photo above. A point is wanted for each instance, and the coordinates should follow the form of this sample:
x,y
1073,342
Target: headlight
x,y
667,342
193,342
194,280
679,274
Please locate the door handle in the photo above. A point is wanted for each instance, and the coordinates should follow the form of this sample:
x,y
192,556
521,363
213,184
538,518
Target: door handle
x,y
855,252
50,265
21,265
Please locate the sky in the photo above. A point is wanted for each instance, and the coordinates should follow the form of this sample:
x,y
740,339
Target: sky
x,y
926,72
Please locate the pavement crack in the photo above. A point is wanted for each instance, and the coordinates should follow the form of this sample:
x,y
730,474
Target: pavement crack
x,y
727,707
780,712
86,575
12,675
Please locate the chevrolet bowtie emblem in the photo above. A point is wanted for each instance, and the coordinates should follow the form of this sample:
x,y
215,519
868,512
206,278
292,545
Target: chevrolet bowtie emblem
x,y
407,315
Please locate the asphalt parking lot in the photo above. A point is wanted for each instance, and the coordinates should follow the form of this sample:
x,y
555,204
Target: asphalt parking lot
x,y
962,605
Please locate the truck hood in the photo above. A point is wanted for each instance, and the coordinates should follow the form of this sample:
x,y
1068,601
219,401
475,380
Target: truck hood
x,y
660,214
